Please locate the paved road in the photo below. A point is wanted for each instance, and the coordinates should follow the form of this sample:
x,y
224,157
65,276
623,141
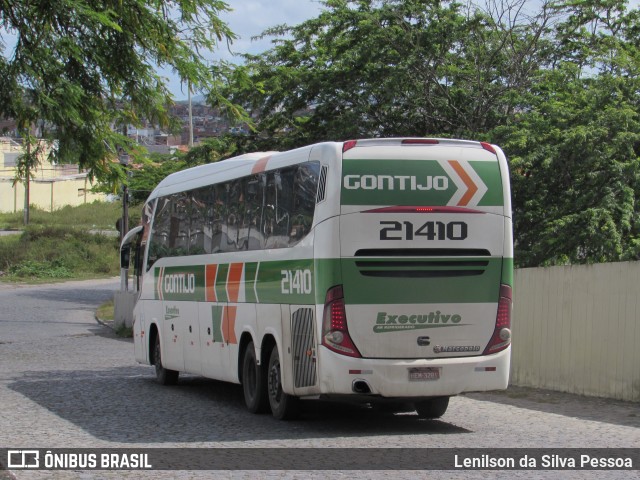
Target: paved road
x,y
66,381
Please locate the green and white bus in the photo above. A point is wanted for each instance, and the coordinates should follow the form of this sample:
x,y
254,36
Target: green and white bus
x,y
372,270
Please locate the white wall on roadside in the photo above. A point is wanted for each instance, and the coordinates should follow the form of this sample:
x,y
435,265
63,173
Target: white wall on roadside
x,y
577,329
48,194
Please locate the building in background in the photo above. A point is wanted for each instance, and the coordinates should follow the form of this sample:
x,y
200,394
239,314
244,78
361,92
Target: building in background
x,y
52,186
55,186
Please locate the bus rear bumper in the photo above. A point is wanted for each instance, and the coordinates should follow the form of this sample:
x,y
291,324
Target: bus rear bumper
x,y
409,378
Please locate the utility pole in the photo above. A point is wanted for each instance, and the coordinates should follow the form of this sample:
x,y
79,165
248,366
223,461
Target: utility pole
x,y
123,158
27,182
190,114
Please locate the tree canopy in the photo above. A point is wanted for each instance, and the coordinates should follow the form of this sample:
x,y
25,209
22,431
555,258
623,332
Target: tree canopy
x,y
554,83
410,67
79,68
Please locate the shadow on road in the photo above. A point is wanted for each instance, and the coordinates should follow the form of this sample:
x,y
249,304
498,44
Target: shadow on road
x,y
577,406
83,296
127,405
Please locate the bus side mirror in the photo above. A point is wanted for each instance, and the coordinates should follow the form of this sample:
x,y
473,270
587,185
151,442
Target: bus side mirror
x,y
125,257
137,259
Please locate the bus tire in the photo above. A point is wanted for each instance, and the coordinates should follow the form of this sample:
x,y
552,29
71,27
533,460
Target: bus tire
x,y
164,376
253,382
432,407
283,405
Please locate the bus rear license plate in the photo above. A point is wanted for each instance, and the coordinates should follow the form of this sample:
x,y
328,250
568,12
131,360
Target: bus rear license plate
x,y
423,374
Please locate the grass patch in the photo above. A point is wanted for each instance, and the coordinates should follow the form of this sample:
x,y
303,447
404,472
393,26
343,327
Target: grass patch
x,y
90,216
57,252
105,311
60,245
124,332
46,269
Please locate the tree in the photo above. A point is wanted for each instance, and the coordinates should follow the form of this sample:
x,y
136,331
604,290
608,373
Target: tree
x,y
152,171
212,150
388,68
81,67
556,84
575,148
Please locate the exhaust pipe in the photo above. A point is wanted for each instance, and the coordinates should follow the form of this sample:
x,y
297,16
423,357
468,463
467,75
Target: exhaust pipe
x,y
360,386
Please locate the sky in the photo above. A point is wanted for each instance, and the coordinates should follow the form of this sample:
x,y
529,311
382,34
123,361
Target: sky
x,y
249,18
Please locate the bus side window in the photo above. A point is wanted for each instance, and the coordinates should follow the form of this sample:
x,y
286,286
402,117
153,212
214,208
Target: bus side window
x,y
268,210
179,225
268,205
284,205
159,238
218,210
145,221
304,201
250,235
201,229
234,216
138,252
276,214
197,217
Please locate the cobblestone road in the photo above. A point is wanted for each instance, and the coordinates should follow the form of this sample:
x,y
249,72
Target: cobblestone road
x,y
66,381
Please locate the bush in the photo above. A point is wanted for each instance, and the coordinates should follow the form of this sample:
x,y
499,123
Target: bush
x,y
56,252
62,244
33,269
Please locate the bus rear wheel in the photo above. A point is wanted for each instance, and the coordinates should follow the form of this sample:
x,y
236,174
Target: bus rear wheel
x,y
163,375
432,407
253,382
283,405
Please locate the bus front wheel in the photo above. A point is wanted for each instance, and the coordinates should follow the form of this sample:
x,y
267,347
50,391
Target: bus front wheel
x,y
163,375
283,405
253,384
432,407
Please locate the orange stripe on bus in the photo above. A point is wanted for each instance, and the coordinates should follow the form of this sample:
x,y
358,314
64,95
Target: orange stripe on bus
x,y
472,188
260,166
210,283
233,284
229,324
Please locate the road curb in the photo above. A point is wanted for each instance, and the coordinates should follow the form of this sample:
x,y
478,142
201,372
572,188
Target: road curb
x,y
106,323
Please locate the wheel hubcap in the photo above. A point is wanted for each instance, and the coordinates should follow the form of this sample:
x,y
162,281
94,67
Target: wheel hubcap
x,y
158,359
275,389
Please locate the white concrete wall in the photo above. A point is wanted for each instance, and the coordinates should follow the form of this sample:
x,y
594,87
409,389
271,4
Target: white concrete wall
x,y
52,187
49,194
577,329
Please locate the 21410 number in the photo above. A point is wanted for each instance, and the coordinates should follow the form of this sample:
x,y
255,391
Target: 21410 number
x,y
430,230
295,282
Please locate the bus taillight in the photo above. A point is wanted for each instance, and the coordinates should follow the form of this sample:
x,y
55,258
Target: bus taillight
x,y
335,334
501,337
